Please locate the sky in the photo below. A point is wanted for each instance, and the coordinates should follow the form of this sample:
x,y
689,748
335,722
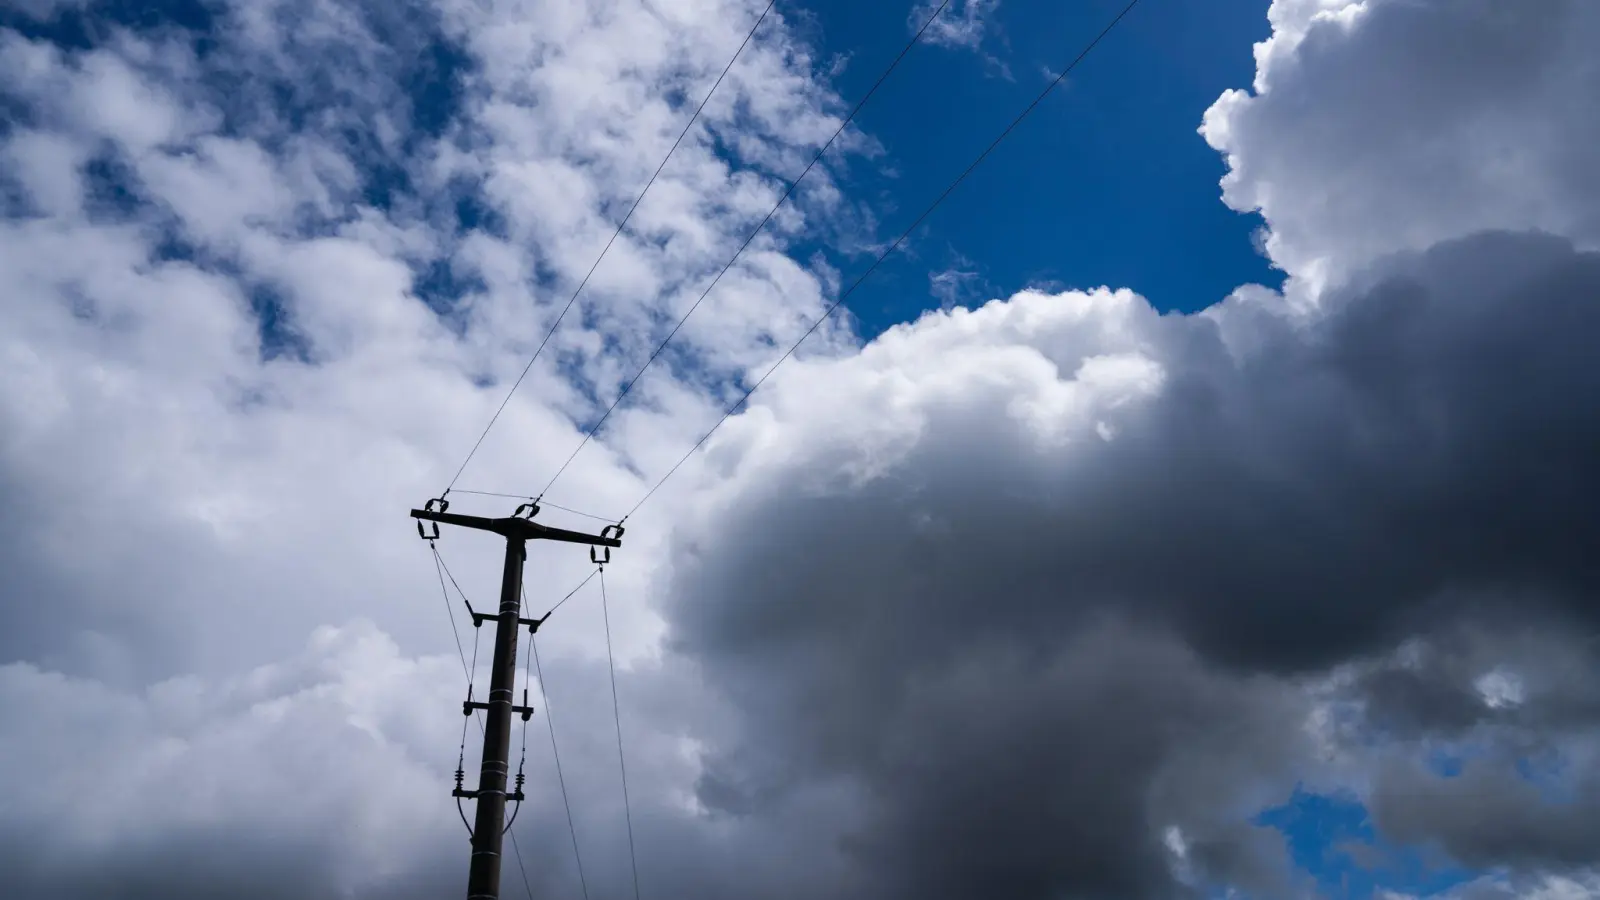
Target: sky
x,y
1198,505
1106,179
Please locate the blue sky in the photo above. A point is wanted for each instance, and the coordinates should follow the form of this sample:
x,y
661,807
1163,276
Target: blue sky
x,y
1108,181
1326,832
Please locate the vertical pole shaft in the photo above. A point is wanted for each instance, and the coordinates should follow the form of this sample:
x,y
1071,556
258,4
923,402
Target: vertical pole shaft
x,y
483,880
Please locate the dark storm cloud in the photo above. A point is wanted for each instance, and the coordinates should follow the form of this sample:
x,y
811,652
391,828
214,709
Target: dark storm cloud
x,y
1421,451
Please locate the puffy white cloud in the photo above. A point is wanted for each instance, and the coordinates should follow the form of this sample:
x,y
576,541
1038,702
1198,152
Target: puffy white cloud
x,y
224,389
1379,126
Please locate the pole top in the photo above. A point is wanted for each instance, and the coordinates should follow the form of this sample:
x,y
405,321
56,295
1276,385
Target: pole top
x,y
518,528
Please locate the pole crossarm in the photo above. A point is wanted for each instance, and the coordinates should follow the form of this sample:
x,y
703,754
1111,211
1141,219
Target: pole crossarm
x,y
518,528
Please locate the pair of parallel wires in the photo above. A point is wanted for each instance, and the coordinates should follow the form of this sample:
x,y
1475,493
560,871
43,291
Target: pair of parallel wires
x,y
729,412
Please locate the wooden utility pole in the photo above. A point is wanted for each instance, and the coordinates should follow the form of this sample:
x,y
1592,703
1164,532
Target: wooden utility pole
x,y
483,879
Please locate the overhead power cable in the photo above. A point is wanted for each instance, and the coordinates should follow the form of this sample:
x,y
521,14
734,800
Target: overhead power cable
x,y
572,827
533,498
616,711
1054,83
595,429
438,566
569,595
614,235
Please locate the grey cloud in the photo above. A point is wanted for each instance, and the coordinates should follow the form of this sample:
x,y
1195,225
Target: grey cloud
x,y
1488,816
1298,494
1437,685
1543,715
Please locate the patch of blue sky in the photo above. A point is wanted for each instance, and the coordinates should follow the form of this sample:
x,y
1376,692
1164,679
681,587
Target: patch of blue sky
x,y
111,189
279,339
88,25
1332,839
442,284
1446,761
1108,182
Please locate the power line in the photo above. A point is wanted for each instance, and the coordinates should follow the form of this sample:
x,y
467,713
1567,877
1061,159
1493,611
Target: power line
x,y
891,248
742,247
438,567
517,851
569,595
541,503
616,712
614,235
533,643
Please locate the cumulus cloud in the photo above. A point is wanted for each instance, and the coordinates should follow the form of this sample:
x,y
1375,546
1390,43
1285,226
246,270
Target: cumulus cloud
x,y
1046,598
148,781
1374,127
1279,494
265,273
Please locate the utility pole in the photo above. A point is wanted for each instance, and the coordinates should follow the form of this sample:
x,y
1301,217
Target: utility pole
x,y
483,879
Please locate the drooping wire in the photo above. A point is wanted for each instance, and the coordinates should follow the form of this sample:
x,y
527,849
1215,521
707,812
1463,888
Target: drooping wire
x,y
461,759
614,235
595,429
616,711
885,254
561,778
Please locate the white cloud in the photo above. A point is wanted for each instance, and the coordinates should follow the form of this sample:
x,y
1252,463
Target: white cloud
x,y
184,512
234,504
960,24
1382,125
957,285
963,24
